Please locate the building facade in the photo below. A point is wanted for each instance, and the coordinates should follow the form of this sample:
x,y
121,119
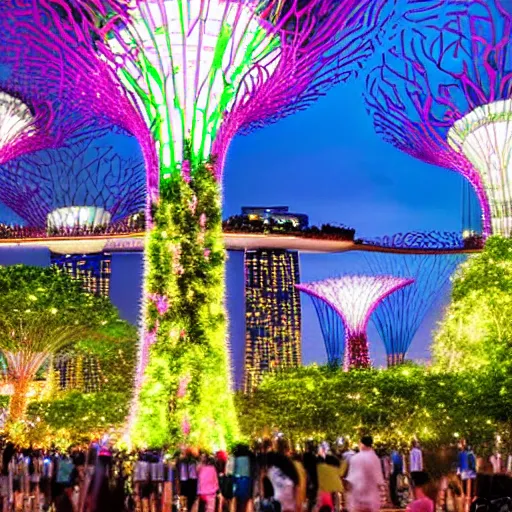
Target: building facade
x,y
273,313
92,270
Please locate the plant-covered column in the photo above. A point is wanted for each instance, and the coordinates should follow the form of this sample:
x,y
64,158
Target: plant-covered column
x,y
184,390
188,63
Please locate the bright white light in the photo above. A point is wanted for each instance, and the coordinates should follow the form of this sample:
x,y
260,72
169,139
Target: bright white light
x,y
202,51
15,117
78,216
484,136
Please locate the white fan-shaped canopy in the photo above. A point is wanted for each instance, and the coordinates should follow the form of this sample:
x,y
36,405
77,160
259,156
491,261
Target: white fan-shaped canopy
x,y
194,58
78,216
15,117
484,136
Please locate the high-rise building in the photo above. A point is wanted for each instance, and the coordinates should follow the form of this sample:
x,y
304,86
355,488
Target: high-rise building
x,y
92,270
273,314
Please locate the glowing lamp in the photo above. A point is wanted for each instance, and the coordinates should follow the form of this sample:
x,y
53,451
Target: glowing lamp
x,y
78,216
15,118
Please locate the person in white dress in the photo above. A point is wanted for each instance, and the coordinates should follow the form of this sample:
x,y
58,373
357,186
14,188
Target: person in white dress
x,y
364,479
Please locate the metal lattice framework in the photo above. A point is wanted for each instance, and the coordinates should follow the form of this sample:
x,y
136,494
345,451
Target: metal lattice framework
x,y
354,298
333,331
78,174
50,66
206,70
433,240
442,93
400,315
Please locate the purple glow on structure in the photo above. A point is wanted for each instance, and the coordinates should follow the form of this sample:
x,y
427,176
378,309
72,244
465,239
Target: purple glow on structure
x,y
354,298
320,43
440,95
77,174
51,64
161,303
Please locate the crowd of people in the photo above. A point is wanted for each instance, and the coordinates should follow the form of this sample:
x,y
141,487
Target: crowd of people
x,y
269,478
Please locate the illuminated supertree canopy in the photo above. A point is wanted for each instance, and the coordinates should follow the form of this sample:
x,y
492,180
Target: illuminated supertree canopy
x,y
71,185
15,118
443,93
201,71
52,86
354,298
400,315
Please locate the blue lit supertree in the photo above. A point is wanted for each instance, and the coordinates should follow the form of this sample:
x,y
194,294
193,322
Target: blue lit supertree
x,y
400,315
333,331
353,299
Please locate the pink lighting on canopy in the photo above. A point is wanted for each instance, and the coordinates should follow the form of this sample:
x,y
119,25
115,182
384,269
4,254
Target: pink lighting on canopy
x,y
442,93
51,63
354,298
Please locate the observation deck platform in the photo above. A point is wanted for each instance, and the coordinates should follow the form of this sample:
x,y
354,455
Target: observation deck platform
x,y
233,242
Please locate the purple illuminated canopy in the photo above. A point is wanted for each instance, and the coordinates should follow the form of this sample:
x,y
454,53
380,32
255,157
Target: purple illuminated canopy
x,y
84,172
354,298
51,67
442,93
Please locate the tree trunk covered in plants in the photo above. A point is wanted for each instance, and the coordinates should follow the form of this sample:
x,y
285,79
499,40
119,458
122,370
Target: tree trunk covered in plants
x,y
357,353
19,399
185,387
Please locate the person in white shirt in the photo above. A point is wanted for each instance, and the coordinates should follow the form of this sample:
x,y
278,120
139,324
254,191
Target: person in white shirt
x,y
364,479
415,458
495,460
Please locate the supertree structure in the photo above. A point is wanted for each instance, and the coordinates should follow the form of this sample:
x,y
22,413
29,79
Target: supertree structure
x,y
354,298
84,182
200,72
333,331
431,240
52,85
400,315
443,93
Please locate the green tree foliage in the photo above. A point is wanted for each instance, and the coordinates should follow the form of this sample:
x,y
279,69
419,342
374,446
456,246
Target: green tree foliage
x,y
394,405
476,331
43,311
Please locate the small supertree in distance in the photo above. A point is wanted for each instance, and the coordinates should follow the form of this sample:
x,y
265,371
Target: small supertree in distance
x,y
84,181
400,315
354,298
442,92
202,71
